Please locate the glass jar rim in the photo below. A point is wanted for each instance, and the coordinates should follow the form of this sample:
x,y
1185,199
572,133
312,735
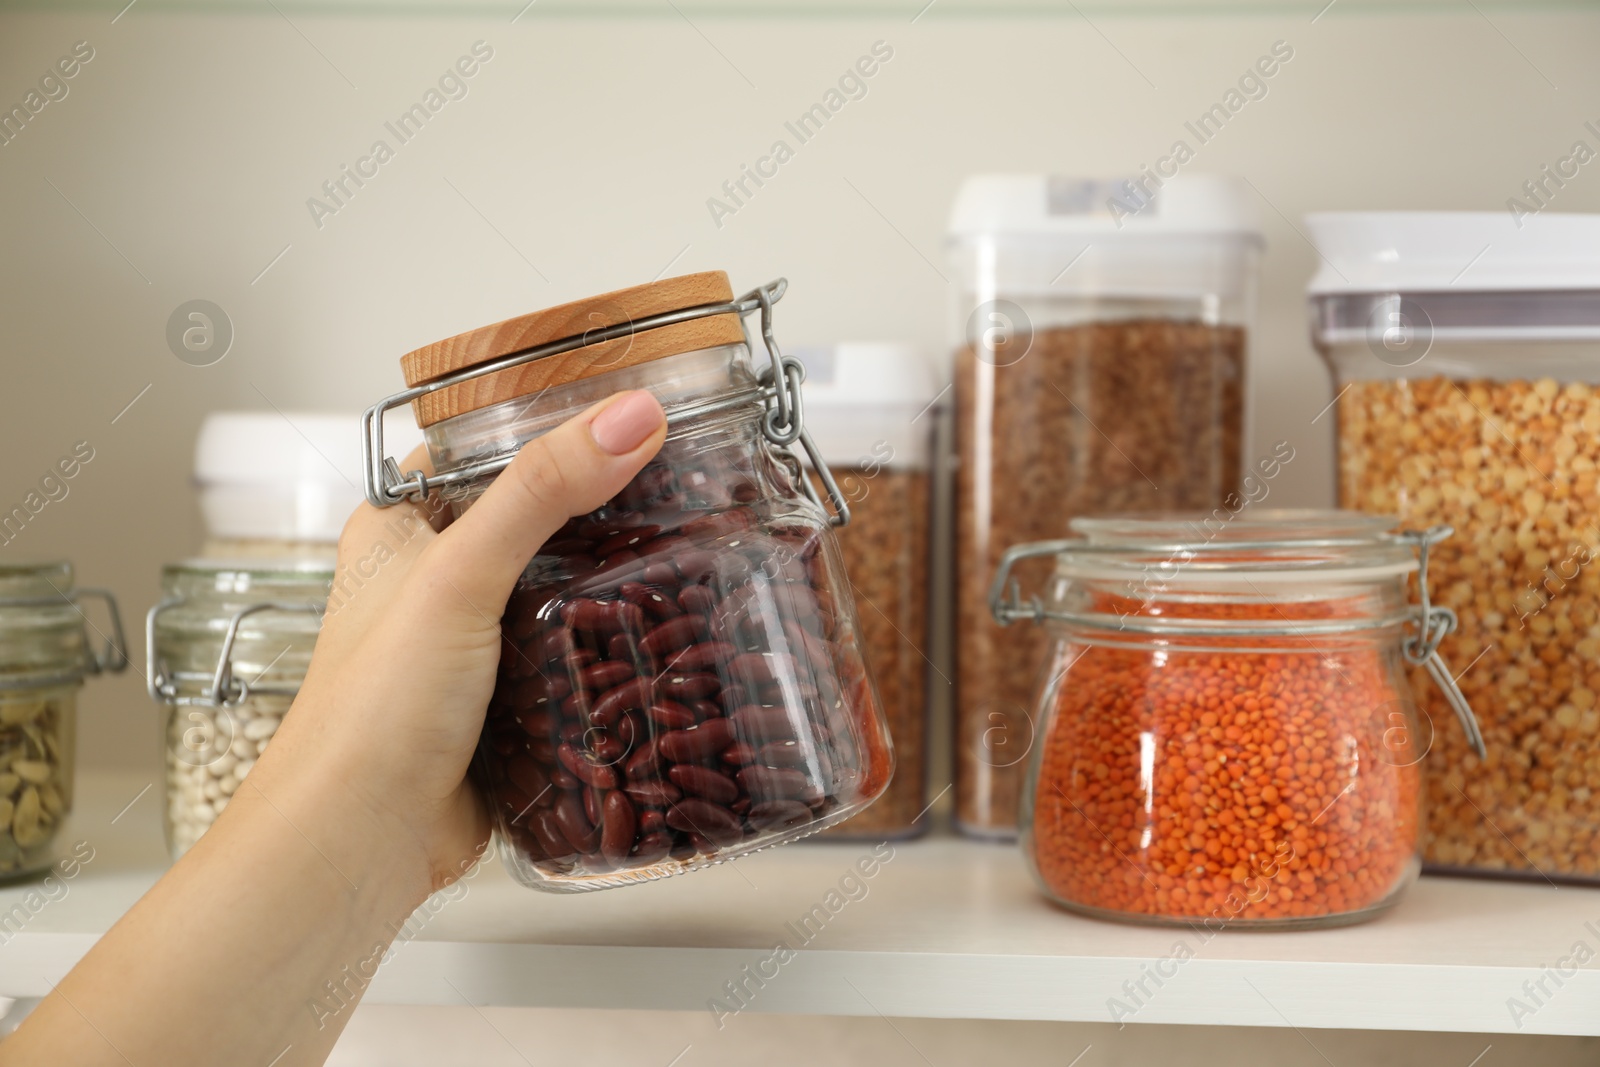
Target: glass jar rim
x,y
44,632
1273,557
209,592
1236,548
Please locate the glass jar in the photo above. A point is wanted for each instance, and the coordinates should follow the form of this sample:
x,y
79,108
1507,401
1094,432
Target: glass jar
x,y
1226,730
45,654
1101,335
1465,355
227,648
681,680
871,410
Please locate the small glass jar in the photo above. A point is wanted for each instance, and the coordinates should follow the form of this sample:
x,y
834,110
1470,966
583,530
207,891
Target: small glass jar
x,y
1465,354
1227,733
681,681
45,654
227,648
871,408
1101,333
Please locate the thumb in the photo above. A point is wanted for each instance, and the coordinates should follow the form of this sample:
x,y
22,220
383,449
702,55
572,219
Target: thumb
x,y
569,471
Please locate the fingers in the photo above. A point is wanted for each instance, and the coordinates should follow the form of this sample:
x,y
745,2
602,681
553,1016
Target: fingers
x,y
569,471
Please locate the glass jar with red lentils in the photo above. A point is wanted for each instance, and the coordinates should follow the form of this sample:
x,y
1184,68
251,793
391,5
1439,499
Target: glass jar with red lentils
x,y
1225,730
681,680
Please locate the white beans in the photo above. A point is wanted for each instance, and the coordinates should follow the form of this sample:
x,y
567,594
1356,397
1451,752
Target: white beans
x,y
209,753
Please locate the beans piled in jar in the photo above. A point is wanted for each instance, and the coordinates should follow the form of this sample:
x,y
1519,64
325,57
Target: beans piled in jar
x,y
35,775
678,681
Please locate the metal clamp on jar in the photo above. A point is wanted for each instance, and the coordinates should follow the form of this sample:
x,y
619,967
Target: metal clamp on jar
x,y
681,680
226,650
45,654
1225,732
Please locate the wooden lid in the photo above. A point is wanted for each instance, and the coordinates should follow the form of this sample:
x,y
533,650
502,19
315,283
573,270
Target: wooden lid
x,y
501,339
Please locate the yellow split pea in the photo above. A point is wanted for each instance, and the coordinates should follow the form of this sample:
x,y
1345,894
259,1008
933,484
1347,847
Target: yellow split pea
x,y
1512,465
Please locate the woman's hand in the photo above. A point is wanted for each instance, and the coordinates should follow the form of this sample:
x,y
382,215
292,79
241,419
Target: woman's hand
x,y
394,699
270,928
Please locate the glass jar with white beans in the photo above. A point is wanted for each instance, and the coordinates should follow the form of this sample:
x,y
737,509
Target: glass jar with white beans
x,y
228,647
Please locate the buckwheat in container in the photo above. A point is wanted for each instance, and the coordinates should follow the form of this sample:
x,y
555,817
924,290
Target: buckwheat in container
x,y
871,408
1101,336
682,679
1465,354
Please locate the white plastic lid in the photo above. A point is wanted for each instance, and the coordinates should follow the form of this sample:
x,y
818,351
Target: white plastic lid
x,y
294,476
1461,251
869,403
1188,204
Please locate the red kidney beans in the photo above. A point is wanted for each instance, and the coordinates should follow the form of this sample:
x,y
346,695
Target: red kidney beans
x,y
698,742
689,686
711,821
653,792
704,782
618,826
579,765
677,681
670,715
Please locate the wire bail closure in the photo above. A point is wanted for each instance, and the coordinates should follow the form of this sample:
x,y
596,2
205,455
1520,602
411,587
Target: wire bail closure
x,y
223,690
782,423
1434,623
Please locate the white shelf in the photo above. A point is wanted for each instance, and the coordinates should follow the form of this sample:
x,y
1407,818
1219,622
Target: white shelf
x,y
948,928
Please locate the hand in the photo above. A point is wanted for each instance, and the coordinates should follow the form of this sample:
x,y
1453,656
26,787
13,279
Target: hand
x,y
394,699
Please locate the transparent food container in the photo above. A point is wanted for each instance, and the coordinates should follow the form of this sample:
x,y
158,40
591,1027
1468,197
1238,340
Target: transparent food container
x,y
871,408
1101,338
282,484
45,654
1465,354
682,680
227,648
1227,733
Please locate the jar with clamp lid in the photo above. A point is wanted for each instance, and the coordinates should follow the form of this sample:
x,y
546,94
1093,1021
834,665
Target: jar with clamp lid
x,y
681,680
1226,731
227,648
45,654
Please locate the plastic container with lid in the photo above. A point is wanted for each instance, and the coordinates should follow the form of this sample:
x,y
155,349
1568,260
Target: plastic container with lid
x,y
227,648
1227,734
279,483
1465,355
871,410
681,681
45,654
1101,337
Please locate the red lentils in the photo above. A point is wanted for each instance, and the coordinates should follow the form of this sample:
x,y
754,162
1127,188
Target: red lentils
x,y
1271,784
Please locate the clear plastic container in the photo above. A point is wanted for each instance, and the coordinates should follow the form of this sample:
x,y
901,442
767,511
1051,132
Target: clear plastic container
x,y
1465,355
45,654
1101,341
1227,734
227,648
871,408
276,483
681,681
